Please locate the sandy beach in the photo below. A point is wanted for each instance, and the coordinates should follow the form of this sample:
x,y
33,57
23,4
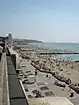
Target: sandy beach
x,y
42,67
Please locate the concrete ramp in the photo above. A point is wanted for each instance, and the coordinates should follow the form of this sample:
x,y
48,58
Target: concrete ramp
x,y
49,101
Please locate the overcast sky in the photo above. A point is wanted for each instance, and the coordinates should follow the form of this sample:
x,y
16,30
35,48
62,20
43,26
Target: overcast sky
x,y
46,20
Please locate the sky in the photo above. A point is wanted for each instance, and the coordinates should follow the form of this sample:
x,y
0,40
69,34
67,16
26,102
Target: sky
x,y
45,20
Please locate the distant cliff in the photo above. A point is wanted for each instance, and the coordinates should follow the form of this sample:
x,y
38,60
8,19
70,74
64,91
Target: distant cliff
x,y
26,41
32,41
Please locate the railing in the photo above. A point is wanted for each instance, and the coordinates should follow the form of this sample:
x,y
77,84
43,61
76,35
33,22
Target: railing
x,y
4,92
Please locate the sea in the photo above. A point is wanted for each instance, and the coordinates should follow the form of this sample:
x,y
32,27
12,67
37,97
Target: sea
x,y
74,47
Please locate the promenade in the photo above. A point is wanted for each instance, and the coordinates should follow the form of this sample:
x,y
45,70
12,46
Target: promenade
x,y
11,92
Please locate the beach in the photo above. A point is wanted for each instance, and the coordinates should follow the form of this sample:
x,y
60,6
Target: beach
x,y
45,75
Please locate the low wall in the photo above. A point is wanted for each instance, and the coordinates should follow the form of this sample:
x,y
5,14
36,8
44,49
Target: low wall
x,y
4,90
16,93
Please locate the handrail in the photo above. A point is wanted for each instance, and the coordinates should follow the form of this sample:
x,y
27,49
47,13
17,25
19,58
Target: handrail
x,y
4,99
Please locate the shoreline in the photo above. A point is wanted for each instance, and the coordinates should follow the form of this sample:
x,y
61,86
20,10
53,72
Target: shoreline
x,y
68,69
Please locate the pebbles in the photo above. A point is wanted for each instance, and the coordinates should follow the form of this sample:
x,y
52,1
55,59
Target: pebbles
x,y
61,69
60,84
75,88
55,74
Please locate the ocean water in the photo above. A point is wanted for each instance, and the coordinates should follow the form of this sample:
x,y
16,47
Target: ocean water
x,y
63,46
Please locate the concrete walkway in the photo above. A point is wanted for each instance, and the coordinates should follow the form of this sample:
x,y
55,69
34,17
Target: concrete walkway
x,y
50,101
42,81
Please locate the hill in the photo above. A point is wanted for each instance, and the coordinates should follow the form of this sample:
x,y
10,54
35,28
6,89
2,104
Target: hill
x,y
31,41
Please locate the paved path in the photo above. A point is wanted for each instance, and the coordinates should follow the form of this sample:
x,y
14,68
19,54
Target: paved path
x,y
42,81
